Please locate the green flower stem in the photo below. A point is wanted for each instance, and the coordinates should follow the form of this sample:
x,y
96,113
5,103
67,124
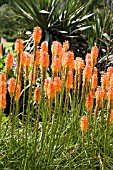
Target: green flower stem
x,y
24,95
17,79
1,122
56,130
17,119
43,113
102,113
36,135
11,105
106,134
82,149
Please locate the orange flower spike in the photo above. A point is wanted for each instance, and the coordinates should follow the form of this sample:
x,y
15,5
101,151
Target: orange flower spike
x,y
2,77
95,71
94,84
3,88
87,72
51,90
89,63
56,65
66,45
56,49
0,49
19,45
109,72
94,51
23,58
111,81
28,60
110,94
69,81
44,60
58,83
99,94
94,81
84,124
44,46
37,94
65,59
9,61
37,34
104,80
94,54
88,59
18,91
11,86
68,60
37,57
78,64
89,102
2,101
46,83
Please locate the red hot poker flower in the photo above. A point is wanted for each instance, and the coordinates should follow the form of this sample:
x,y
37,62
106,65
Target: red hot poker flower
x,y
66,45
9,61
2,77
37,34
56,65
44,46
0,49
3,88
11,86
51,90
58,83
56,49
19,45
18,91
37,57
89,102
69,81
2,101
44,60
37,94
84,124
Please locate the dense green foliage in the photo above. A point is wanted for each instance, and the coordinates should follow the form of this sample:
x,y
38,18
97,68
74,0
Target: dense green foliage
x,y
2,2
11,25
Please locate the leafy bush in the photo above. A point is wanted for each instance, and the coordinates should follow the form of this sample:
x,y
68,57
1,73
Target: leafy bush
x,y
10,26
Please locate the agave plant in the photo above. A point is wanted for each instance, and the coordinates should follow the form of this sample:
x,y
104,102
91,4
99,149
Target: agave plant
x,y
60,20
